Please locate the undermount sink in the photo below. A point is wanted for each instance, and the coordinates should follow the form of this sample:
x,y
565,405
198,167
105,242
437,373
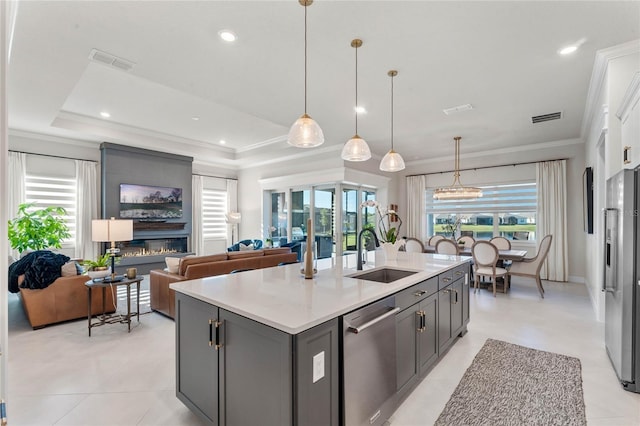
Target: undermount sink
x,y
384,275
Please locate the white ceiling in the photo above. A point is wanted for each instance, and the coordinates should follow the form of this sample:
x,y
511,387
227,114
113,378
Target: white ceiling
x,y
501,57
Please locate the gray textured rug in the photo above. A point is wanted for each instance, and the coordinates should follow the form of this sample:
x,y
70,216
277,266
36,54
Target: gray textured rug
x,y
508,384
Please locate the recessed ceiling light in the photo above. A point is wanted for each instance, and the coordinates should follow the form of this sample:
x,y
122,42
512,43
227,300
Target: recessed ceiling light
x,y
222,142
195,118
105,114
361,110
568,50
227,35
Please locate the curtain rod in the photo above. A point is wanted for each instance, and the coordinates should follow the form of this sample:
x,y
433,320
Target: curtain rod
x,y
486,167
52,156
217,177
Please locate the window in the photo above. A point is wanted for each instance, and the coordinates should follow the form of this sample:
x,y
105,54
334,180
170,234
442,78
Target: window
x,y
214,207
503,210
47,191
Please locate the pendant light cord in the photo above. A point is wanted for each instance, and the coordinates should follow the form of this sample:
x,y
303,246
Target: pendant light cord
x,y
356,107
305,58
392,112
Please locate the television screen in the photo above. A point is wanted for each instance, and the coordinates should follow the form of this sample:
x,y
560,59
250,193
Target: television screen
x,y
150,202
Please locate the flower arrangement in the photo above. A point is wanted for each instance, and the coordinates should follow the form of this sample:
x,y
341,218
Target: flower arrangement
x,y
388,233
269,239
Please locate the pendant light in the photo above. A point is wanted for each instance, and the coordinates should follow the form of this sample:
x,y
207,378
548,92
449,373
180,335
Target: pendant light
x,y
356,148
392,161
456,191
305,132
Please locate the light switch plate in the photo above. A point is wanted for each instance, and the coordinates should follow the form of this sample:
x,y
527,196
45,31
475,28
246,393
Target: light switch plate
x,y
318,366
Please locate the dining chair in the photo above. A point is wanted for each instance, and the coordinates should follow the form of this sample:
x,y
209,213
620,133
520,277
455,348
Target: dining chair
x,y
434,239
530,267
485,259
467,240
501,243
446,246
413,245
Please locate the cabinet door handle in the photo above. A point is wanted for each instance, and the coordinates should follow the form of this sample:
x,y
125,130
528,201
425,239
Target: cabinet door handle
x,y
419,293
446,279
424,321
419,315
218,324
458,273
211,332
456,299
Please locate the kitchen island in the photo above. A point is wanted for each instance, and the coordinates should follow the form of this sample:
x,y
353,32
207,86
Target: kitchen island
x,y
268,347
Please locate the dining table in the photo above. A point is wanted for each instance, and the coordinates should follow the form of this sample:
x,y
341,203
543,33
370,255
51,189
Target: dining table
x,y
515,255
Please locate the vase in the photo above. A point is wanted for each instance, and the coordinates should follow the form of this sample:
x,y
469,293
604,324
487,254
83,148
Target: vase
x,y
391,249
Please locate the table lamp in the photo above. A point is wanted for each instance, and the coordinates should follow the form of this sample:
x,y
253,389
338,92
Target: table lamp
x,y
112,230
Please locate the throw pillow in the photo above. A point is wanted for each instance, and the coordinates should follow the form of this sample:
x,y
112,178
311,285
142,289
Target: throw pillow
x,y
172,264
246,247
69,269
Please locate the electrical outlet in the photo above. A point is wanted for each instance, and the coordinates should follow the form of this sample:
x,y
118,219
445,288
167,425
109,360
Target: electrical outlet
x,y
318,366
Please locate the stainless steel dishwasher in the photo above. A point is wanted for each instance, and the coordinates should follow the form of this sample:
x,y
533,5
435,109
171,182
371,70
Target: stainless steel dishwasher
x,y
369,375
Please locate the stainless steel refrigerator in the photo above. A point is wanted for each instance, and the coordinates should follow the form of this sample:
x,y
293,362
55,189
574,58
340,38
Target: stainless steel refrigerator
x,y
622,276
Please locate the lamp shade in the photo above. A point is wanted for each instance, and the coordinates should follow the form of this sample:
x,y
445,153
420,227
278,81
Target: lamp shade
x,y
392,162
105,230
305,133
233,217
356,149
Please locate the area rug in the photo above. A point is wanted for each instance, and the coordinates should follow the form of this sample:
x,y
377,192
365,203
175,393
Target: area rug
x,y
508,384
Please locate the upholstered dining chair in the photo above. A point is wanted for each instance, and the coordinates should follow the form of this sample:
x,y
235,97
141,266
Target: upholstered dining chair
x,y
485,259
530,267
501,243
413,245
433,240
467,240
446,246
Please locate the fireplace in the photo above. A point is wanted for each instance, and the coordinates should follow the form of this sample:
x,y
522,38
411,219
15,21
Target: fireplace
x,y
149,253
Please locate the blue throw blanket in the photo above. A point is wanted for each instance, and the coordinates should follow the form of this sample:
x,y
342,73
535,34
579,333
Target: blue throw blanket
x,y
40,268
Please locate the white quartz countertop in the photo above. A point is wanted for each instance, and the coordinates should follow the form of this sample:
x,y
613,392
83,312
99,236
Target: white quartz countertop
x,y
282,298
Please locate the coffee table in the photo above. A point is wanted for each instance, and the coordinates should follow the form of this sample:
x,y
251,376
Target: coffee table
x,y
114,318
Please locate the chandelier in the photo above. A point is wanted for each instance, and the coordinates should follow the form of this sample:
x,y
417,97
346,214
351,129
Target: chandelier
x,y
456,191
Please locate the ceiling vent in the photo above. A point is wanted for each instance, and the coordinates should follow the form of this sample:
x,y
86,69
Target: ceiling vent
x,y
456,109
111,60
546,117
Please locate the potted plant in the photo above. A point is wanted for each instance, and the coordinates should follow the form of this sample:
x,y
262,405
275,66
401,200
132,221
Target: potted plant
x,y
37,228
98,268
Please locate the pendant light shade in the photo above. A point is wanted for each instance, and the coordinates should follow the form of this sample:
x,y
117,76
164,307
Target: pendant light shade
x,y
392,161
356,148
456,191
305,132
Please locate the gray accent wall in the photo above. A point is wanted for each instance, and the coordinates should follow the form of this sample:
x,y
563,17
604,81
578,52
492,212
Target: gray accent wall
x,y
124,164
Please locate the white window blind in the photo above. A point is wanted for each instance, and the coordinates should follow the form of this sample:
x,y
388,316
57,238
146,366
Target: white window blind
x,y
47,191
214,208
519,197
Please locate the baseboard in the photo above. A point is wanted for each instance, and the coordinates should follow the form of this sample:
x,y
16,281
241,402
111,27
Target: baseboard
x,y
576,279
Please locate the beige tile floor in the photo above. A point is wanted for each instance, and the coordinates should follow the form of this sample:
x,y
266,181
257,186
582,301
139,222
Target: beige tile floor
x,y
59,376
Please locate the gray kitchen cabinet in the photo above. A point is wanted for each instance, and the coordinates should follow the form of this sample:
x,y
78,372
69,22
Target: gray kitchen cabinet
x,y
235,371
444,318
453,306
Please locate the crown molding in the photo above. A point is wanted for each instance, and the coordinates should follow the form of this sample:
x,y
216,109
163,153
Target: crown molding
x,y
631,97
598,75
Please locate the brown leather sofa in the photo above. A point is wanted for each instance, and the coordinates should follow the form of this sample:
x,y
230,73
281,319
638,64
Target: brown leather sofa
x,y
190,268
63,300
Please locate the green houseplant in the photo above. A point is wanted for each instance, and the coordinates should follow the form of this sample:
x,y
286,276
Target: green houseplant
x,y
37,228
101,263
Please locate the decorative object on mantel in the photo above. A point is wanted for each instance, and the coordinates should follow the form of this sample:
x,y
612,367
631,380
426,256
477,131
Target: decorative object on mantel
x,y
305,132
456,191
392,161
356,148
388,234
112,230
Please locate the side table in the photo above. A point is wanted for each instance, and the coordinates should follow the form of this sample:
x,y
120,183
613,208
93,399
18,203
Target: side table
x,y
114,318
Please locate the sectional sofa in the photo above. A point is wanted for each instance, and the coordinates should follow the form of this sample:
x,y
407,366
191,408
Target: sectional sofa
x,y
193,267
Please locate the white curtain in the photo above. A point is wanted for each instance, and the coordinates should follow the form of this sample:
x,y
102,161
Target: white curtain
x,y
416,187
551,179
17,170
232,206
196,225
86,208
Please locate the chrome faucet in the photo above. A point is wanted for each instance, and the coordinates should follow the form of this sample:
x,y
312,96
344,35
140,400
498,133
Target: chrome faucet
x,y
359,245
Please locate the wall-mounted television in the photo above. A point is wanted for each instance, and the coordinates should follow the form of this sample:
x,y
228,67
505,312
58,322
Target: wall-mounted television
x,y
150,202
